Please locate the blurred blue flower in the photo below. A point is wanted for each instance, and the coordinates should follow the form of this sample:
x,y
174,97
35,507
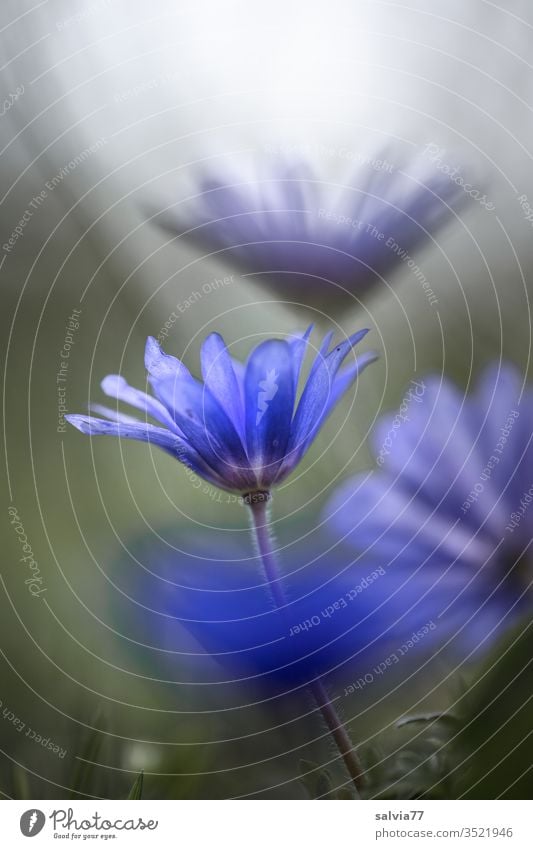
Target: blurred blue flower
x,y
312,241
450,502
241,428
343,619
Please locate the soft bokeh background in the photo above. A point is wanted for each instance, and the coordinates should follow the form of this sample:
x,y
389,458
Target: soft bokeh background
x,y
147,93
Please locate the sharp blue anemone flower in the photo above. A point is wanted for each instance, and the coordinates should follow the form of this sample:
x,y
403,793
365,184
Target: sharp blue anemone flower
x,y
242,428
450,502
342,619
314,242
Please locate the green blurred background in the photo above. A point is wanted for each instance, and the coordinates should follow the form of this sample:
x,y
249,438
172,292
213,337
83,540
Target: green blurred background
x,y
156,91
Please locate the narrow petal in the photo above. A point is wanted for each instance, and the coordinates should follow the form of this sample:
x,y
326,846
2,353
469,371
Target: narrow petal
x,y
113,415
507,411
126,427
115,386
220,378
439,454
345,379
158,364
269,390
382,519
239,370
298,343
315,398
207,427
321,353
296,178
127,430
222,199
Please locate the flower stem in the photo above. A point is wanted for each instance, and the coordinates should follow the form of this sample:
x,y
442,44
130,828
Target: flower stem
x,y
338,732
258,503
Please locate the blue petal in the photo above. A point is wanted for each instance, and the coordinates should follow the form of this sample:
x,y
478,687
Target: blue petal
x,y
383,520
159,365
208,428
437,451
321,353
127,428
298,190
115,386
220,378
507,407
223,199
343,381
239,370
315,397
298,343
269,391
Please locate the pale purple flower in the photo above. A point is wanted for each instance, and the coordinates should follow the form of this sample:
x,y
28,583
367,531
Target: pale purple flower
x,y
452,503
313,241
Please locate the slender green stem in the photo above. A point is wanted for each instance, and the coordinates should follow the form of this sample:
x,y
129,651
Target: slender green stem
x,y
258,503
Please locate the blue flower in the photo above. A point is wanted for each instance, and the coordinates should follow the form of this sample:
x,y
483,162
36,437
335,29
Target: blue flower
x,y
342,620
449,504
242,428
315,242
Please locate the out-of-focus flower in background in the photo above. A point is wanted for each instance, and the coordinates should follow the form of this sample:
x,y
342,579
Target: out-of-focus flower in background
x,y
316,242
451,501
241,428
344,619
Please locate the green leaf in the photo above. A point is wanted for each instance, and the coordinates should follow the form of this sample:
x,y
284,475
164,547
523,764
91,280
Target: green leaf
x,y
324,785
87,756
136,791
